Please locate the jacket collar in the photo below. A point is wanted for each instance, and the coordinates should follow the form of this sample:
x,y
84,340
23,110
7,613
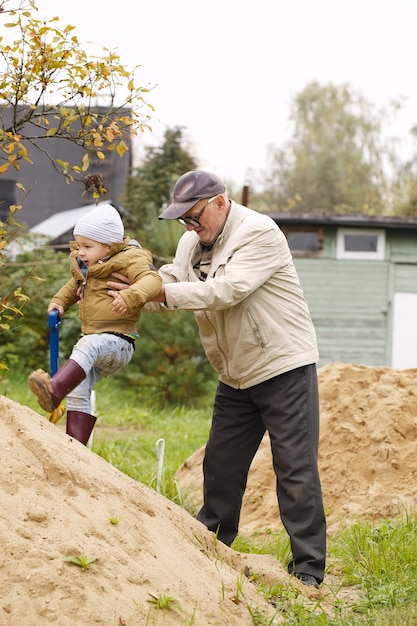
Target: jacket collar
x,y
228,225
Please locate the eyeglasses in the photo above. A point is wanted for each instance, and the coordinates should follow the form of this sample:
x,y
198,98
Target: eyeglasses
x,y
194,220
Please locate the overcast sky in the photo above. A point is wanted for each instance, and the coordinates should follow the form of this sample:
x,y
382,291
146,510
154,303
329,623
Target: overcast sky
x,y
228,70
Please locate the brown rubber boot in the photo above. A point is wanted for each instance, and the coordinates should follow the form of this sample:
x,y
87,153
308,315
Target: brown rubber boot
x,y
50,391
80,425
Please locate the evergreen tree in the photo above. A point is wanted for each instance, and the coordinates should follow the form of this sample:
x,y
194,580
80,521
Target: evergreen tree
x,y
149,189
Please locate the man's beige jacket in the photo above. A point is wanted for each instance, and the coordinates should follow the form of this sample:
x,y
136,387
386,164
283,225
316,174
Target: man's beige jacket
x,y
253,318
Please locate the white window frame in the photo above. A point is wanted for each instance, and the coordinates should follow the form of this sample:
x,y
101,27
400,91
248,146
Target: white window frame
x,y
377,255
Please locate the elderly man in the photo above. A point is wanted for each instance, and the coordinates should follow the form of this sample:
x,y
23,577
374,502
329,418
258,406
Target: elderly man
x,y
234,270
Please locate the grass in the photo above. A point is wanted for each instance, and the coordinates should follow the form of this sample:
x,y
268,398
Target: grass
x,y
372,568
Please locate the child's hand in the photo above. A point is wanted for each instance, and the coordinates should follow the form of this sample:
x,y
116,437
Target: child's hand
x,y
119,305
55,307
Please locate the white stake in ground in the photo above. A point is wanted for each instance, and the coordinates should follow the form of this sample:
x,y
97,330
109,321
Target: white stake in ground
x,y
160,453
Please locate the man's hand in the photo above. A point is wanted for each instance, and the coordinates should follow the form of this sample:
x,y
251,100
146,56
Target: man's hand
x,y
161,297
121,282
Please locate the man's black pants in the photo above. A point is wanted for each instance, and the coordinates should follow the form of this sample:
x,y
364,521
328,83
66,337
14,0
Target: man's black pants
x,y
287,406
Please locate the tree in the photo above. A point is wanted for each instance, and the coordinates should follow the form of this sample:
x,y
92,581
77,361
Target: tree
x,y
335,161
149,190
49,88
405,185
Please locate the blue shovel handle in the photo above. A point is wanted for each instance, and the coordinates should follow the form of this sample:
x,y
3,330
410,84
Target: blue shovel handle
x,y
54,322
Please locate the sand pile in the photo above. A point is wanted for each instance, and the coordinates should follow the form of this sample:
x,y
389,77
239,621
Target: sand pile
x,y
368,459
57,502
59,499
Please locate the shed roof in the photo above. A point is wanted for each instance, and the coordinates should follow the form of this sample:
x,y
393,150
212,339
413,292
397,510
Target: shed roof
x,y
356,221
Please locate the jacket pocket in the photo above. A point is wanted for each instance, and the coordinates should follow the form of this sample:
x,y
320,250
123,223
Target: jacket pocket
x,y
256,329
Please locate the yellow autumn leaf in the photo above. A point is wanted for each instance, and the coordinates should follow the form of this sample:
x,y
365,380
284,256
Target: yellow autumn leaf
x,y
85,163
121,148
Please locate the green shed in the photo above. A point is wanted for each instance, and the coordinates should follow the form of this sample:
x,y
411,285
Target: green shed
x,y
359,275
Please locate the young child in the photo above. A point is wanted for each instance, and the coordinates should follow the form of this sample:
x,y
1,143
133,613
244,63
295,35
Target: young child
x,y
108,329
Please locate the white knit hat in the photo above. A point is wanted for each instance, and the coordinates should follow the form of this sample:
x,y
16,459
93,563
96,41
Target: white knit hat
x,y
102,224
